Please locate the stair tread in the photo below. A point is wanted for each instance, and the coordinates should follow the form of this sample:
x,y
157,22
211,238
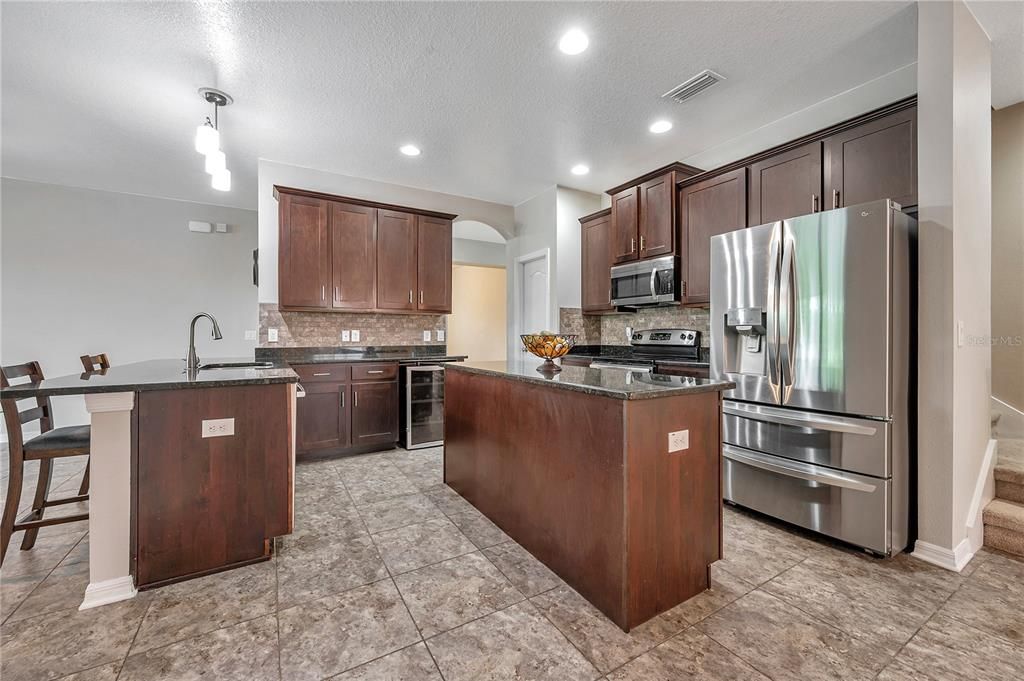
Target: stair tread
x,y
1010,463
1006,514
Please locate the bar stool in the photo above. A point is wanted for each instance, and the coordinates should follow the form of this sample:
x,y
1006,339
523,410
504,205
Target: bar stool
x,y
50,444
93,364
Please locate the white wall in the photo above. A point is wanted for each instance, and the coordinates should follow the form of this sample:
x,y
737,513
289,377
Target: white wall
x,y
87,271
571,205
955,194
271,173
473,252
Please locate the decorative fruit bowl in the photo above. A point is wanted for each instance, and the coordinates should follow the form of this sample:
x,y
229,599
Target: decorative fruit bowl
x,y
549,346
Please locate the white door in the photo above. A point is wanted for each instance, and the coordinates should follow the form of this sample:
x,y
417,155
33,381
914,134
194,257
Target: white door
x,y
534,303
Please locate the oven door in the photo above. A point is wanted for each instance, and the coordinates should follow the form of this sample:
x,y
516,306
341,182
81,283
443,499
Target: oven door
x,y
651,282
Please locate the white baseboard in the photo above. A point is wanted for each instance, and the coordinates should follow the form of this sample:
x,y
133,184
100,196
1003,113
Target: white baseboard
x,y
109,591
1011,419
951,559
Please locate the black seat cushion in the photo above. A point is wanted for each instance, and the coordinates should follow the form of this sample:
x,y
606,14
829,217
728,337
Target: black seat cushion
x,y
68,437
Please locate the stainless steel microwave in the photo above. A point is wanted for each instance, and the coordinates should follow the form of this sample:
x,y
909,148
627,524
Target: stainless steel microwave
x,y
648,282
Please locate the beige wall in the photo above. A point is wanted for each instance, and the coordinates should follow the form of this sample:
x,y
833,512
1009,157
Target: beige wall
x,y
1008,255
476,326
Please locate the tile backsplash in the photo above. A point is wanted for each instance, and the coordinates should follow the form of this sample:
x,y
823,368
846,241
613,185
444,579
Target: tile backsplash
x,y
323,329
611,329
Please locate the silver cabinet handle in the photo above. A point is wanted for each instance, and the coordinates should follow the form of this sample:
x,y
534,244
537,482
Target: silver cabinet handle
x,y
336,296
410,295
323,293
323,373
632,245
355,398
835,198
421,297
641,242
375,371
803,472
342,393
814,203
786,418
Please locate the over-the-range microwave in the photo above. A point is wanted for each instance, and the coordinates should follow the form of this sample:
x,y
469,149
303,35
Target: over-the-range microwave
x,y
648,282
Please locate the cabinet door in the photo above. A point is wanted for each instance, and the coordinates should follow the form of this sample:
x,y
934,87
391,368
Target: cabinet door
x,y
323,417
396,260
434,264
353,256
657,217
714,206
596,286
786,185
877,160
374,413
304,259
625,219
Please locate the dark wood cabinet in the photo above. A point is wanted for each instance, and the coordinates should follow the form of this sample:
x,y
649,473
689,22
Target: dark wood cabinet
x,y
304,271
625,218
596,262
434,264
374,413
354,256
324,415
657,227
876,160
786,185
396,260
203,504
714,206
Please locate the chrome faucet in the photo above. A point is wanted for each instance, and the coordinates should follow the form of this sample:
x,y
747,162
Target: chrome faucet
x,y
192,362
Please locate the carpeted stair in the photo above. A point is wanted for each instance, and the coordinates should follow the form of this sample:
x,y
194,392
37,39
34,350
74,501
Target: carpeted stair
x,y
1004,516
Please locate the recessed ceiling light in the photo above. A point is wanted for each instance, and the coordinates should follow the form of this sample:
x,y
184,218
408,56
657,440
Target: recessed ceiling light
x,y
580,169
658,127
574,41
409,150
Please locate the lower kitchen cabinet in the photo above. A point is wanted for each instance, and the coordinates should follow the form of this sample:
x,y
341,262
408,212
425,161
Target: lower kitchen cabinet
x,y
324,417
374,413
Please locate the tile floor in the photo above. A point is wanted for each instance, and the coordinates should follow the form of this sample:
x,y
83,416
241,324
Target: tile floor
x,y
390,575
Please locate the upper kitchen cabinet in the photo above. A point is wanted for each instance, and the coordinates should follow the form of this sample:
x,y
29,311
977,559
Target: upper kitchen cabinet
x,y
707,208
874,160
643,216
434,264
304,270
343,254
353,245
396,260
596,263
786,185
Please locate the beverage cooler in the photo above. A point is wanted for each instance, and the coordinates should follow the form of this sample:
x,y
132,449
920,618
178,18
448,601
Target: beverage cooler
x,y
422,406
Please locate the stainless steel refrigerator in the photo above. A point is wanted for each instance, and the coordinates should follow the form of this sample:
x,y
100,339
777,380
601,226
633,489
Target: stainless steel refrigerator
x,y
812,319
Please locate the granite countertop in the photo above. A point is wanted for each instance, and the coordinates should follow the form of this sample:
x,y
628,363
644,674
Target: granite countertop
x,y
616,383
156,374
326,355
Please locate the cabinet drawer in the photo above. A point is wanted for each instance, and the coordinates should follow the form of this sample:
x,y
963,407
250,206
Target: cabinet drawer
x,y
375,372
311,373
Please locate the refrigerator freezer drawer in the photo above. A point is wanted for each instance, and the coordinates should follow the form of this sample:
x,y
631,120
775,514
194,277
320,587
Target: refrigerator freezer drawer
x,y
847,506
852,444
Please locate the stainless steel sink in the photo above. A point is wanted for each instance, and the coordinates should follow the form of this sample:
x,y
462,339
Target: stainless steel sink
x,y
237,365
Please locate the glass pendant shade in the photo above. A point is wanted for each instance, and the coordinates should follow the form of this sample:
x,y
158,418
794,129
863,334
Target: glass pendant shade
x,y
216,161
207,139
222,180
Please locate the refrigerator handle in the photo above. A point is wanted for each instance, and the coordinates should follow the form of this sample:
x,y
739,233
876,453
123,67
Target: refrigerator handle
x,y
788,314
772,340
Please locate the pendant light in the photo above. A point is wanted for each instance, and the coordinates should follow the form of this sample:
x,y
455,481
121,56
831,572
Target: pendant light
x,y
208,140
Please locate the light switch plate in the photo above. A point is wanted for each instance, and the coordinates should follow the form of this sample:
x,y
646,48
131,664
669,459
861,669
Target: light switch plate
x,y
218,427
346,335
221,227
426,335
355,335
678,440
439,334
250,334
271,335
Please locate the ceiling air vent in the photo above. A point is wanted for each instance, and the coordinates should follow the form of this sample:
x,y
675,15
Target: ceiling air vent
x,y
694,86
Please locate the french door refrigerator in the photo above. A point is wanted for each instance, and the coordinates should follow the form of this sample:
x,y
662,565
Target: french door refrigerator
x,y
811,318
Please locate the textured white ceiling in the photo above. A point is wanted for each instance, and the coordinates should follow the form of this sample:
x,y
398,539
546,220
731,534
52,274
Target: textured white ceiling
x,y
103,95
1003,20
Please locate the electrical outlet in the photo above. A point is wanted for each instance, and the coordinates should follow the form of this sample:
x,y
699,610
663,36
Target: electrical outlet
x,y
426,335
271,335
218,427
346,336
355,335
439,334
250,334
678,440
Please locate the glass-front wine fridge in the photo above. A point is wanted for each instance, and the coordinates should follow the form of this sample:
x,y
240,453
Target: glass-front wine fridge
x,y
422,406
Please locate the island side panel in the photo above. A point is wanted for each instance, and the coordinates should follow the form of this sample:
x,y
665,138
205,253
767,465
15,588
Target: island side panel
x,y
205,504
546,466
673,502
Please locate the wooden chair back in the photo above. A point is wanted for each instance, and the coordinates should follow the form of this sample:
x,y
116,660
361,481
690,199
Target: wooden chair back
x,y
14,419
95,363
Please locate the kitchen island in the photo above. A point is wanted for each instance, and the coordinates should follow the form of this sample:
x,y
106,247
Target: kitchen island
x,y
191,472
577,468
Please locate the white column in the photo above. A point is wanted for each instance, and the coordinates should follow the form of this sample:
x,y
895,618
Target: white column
x,y
110,499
